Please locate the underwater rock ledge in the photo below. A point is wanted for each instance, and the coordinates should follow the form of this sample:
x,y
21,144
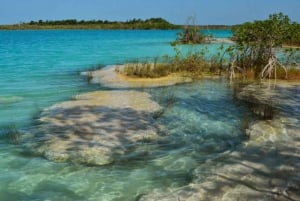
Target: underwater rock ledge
x,y
265,167
96,128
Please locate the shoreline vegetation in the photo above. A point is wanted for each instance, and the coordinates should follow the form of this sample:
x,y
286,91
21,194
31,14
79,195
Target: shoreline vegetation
x,y
260,49
196,65
139,24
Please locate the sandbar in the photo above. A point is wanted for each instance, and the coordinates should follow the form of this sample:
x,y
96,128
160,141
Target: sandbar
x,y
110,78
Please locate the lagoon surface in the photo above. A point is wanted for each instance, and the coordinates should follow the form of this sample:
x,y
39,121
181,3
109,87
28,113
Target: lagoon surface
x,y
202,129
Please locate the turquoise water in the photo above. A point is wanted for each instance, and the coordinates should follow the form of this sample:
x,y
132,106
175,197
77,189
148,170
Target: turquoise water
x,y
40,68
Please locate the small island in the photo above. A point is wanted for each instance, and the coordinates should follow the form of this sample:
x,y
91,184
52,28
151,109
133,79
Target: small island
x,y
152,23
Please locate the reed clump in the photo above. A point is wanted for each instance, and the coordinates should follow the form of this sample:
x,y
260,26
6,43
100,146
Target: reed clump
x,y
193,64
145,69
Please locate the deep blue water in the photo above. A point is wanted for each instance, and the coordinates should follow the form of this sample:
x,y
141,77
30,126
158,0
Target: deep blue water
x,y
40,68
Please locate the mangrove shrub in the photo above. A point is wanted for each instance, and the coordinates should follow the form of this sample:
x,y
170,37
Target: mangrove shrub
x,y
255,41
191,33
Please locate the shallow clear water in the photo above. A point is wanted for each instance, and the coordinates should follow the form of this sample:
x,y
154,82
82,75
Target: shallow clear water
x,y
202,123
40,68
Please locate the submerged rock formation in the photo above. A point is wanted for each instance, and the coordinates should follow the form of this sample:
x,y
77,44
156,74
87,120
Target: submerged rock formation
x,y
265,167
96,128
103,127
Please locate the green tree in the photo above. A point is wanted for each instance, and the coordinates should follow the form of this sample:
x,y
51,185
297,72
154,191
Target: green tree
x,y
255,41
295,37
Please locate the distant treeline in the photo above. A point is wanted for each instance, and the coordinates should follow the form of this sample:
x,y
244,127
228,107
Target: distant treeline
x,y
215,27
153,23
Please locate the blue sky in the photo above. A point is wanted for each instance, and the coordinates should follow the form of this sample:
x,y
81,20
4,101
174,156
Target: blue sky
x,y
175,11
